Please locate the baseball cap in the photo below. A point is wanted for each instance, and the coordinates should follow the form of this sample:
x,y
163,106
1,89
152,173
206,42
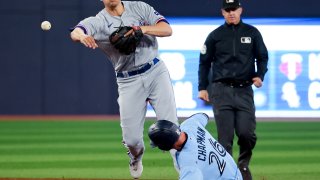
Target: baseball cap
x,y
231,4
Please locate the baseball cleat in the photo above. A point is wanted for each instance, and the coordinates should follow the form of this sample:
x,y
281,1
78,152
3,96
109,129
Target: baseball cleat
x,y
136,169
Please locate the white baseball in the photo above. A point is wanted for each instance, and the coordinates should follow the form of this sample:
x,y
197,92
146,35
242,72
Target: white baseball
x,y
45,25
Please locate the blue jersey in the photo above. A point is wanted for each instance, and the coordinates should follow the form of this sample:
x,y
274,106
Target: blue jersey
x,y
202,157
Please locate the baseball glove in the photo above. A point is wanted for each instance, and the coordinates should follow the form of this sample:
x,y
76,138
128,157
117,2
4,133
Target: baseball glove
x,y
126,39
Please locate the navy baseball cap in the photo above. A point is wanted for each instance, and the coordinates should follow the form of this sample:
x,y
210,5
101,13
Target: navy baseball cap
x,y
231,4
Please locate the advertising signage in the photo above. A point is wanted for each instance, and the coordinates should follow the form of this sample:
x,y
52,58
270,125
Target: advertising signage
x,y
292,84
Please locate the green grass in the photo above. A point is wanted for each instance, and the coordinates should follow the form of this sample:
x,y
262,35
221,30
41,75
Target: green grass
x,y
93,149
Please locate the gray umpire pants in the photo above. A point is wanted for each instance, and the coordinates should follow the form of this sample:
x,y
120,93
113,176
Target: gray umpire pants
x,y
234,112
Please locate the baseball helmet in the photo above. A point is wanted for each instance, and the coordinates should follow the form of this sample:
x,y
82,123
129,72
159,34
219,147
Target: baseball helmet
x,y
164,134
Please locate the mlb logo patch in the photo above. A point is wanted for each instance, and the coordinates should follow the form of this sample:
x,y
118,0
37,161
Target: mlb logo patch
x,y
246,40
229,1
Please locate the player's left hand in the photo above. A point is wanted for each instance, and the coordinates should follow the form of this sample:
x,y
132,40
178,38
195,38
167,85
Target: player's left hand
x,y
126,39
257,82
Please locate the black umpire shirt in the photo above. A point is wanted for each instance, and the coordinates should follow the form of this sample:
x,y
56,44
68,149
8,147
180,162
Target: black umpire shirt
x,y
235,53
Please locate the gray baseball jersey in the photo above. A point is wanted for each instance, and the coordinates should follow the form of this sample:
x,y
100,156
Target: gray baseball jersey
x,y
136,14
135,91
202,157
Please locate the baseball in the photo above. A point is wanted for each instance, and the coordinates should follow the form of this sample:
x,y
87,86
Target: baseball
x,y
45,25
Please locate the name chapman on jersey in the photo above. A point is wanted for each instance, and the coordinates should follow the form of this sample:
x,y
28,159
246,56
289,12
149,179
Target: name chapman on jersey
x,y
201,137
214,156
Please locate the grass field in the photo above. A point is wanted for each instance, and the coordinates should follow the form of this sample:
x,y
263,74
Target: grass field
x,y
93,149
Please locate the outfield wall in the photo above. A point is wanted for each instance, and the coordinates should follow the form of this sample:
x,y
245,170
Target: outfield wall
x,y
45,73
291,87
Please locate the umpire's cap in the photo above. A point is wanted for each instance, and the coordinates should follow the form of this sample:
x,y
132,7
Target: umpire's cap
x,y
231,4
164,134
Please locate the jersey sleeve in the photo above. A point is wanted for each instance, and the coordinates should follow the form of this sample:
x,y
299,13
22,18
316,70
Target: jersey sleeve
x,y
190,173
195,120
261,54
90,25
205,60
151,15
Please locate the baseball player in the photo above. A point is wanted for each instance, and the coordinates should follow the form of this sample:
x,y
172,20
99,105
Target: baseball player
x,y
141,76
199,156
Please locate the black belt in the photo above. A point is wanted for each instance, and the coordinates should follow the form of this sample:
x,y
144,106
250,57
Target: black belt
x,y
141,70
236,84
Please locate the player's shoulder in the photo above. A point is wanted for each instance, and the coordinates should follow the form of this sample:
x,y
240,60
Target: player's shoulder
x,y
103,17
102,14
135,4
195,119
93,20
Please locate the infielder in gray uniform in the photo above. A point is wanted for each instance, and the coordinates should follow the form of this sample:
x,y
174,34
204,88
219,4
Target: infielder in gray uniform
x,y
199,156
141,76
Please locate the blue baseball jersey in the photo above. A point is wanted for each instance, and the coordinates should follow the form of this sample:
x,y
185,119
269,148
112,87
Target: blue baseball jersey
x,y
202,157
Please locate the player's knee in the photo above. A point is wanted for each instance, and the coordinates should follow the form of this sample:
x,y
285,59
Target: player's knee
x,y
133,142
135,147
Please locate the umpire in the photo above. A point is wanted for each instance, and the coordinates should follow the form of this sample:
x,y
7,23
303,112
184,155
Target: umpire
x,y
237,58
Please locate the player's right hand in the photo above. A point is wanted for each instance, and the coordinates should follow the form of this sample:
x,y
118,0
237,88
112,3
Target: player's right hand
x,y
88,41
204,95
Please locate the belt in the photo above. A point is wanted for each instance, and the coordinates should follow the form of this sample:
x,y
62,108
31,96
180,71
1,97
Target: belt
x,y
141,70
236,84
